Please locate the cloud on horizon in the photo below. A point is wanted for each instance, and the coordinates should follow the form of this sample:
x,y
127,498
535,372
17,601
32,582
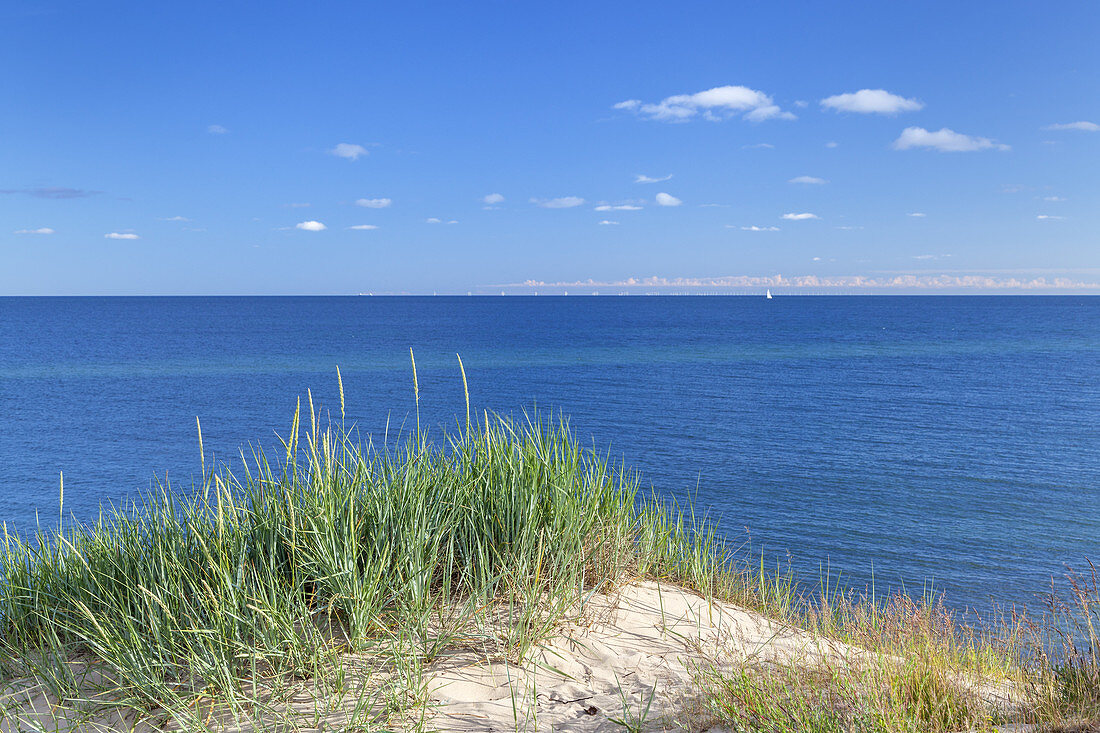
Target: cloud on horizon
x,y
719,103
929,282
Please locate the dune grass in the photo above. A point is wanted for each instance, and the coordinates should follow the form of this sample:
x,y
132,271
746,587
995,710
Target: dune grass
x,y
219,604
227,591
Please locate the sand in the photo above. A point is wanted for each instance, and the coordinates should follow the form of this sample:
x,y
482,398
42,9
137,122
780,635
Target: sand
x,y
632,656
642,648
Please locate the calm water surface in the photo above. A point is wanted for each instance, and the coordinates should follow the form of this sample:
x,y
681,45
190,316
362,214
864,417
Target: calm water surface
x,y
954,439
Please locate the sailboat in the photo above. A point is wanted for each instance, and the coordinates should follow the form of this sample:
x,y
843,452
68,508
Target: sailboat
x,y
768,295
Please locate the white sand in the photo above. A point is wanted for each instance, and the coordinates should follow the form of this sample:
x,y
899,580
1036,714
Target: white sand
x,y
636,649
647,642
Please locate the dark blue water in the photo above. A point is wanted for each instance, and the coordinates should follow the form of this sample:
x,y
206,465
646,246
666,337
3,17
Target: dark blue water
x,y
954,439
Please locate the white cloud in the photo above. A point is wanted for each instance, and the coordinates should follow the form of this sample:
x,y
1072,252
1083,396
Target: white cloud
x,y
373,203
1053,198
664,199
766,113
618,207
562,202
714,104
433,220
758,146
1081,126
39,230
642,178
871,101
808,179
849,228
363,227
175,218
917,214
799,217
755,228
832,144
607,222
310,226
801,103
817,259
350,151
944,140
1049,217
117,235
296,206
921,280
493,199
216,130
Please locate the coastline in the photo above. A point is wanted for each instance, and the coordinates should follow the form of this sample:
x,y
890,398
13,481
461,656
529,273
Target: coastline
x,y
496,584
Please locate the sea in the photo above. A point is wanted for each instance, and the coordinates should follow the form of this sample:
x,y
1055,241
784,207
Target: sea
x,y
948,445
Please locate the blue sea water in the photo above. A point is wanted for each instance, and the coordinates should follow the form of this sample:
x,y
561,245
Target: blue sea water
x,y
953,440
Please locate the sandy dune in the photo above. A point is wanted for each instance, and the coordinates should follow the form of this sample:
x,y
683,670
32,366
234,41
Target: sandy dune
x,y
640,649
626,656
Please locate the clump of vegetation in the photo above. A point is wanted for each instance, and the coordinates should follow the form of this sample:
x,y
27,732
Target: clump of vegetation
x,y
343,570
1066,654
227,593
907,664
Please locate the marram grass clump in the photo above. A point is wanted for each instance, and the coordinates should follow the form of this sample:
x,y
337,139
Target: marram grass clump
x,y
221,592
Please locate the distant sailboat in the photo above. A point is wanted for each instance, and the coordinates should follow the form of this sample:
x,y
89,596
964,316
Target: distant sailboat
x,y
768,295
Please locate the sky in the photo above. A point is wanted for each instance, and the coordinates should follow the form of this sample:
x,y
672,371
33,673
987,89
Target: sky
x,y
341,148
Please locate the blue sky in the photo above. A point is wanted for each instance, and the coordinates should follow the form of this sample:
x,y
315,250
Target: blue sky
x,y
153,148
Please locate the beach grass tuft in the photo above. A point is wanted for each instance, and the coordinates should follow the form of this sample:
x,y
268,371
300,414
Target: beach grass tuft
x,y
227,591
